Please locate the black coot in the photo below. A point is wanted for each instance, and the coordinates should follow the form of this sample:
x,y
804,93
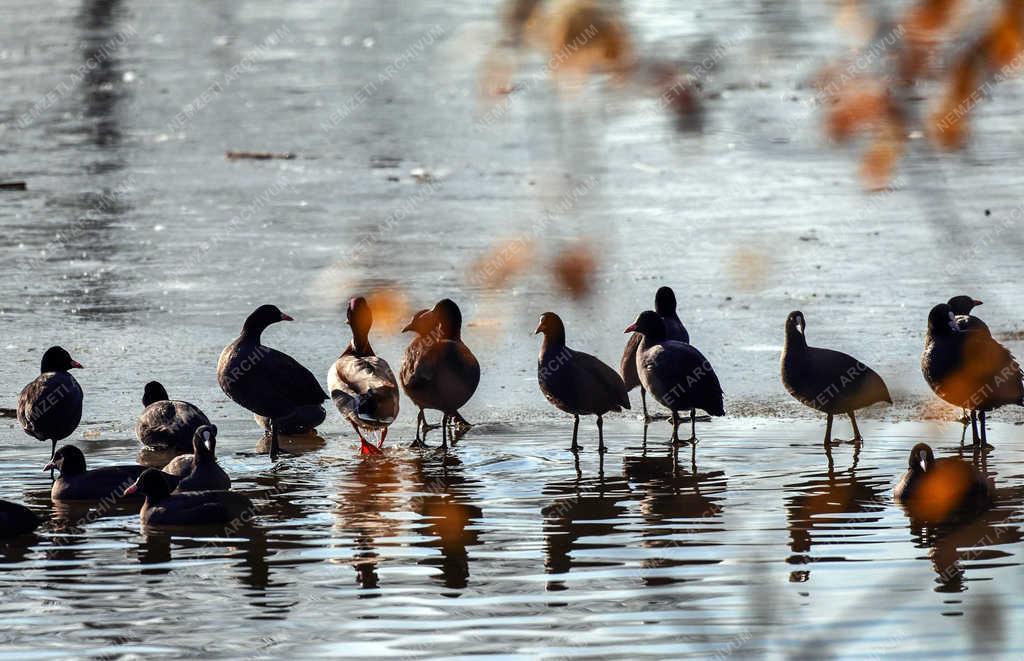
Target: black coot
x,y
266,381
825,380
76,482
665,306
50,407
361,383
16,519
969,370
962,306
166,423
443,374
938,490
162,508
676,374
200,471
576,382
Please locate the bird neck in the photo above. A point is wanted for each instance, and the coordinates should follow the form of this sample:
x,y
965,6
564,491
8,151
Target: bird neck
x,y
360,344
252,331
554,341
795,340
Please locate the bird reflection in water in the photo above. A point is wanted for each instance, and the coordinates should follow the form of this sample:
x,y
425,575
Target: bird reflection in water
x,y
678,504
449,515
583,511
815,509
368,494
974,538
244,542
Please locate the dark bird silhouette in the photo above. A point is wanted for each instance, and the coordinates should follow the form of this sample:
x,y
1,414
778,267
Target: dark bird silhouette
x,y
665,306
361,383
167,423
162,508
969,370
76,482
961,307
576,382
939,490
676,374
828,381
16,519
268,382
200,471
50,407
425,327
442,374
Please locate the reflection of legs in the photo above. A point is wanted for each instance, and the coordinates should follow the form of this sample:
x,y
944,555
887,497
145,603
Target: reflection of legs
x,y
444,431
600,435
575,429
693,425
974,428
981,426
828,430
857,438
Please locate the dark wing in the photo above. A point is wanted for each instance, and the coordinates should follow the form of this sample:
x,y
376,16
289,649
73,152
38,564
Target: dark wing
x,y
680,372
50,407
993,371
609,385
293,380
841,379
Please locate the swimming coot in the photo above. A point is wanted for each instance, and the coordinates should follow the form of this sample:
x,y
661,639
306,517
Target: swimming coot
x,y
163,508
166,423
200,471
16,519
938,490
76,482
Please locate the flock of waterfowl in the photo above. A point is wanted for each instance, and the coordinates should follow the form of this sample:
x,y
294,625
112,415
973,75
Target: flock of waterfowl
x,y
962,362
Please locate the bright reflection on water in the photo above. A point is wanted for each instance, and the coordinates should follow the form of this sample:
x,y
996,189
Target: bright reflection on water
x,y
508,545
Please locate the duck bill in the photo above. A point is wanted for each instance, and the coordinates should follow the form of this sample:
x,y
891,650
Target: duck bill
x,y
630,329
286,317
49,467
132,490
977,303
75,363
537,330
408,327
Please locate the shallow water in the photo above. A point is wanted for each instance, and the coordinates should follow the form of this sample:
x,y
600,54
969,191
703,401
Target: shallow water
x,y
140,248
508,546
